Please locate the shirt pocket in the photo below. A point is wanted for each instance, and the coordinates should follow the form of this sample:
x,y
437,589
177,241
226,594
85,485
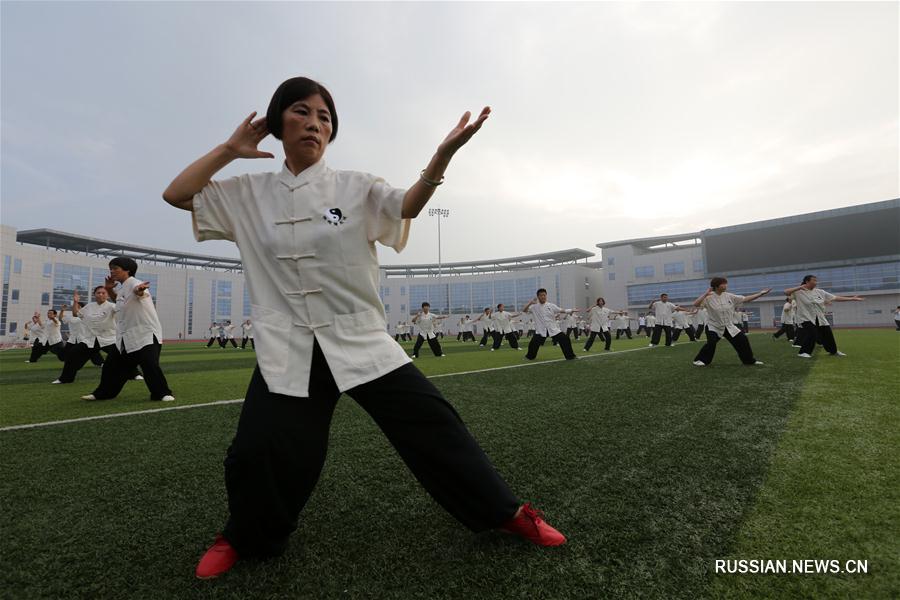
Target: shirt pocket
x,y
354,324
272,329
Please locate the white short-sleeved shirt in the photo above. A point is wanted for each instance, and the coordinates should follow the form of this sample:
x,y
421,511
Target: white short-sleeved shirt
x,y
787,315
137,323
53,332
721,312
599,318
427,325
99,321
487,321
501,321
680,320
663,311
544,315
811,305
247,329
307,245
229,331
701,316
39,333
76,329
651,321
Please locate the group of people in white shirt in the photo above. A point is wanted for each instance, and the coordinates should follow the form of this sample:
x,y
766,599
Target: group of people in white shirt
x,y
224,333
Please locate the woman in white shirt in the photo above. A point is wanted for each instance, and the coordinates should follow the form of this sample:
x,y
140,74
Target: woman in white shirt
x,y
599,324
247,334
307,241
720,307
810,316
503,328
663,311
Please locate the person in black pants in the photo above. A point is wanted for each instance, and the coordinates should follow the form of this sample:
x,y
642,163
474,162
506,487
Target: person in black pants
x,y
810,316
720,306
546,325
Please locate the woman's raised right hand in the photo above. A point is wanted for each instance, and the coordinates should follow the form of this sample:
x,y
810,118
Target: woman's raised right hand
x,y
245,139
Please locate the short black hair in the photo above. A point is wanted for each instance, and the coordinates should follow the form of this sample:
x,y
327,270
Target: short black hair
x,y
601,298
294,90
715,282
537,293
808,277
99,287
125,263
500,304
663,294
424,304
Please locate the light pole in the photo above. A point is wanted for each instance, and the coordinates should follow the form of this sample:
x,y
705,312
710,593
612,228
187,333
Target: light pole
x,y
440,213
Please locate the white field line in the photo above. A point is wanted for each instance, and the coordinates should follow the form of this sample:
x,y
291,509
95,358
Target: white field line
x,y
237,400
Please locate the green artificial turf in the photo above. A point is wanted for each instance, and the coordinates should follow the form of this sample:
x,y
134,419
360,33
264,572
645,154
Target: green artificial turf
x,y
652,467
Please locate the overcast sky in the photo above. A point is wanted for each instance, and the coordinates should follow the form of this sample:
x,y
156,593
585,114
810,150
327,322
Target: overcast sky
x,y
610,121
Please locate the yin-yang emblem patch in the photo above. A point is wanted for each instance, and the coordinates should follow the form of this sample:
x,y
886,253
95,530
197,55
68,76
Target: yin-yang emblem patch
x,y
334,216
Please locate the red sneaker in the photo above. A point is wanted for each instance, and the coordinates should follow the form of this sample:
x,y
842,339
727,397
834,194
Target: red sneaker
x,y
531,526
219,558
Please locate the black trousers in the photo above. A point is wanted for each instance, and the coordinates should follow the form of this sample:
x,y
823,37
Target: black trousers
x,y
641,328
119,368
281,443
676,333
433,343
607,337
787,329
626,331
38,350
212,341
745,326
657,330
77,356
809,333
560,338
468,335
740,343
244,343
649,330
510,337
897,323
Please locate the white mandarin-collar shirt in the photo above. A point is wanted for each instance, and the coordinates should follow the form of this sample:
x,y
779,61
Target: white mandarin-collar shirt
x,y
680,319
720,310
544,316
307,243
427,323
663,311
786,314
811,305
488,321
76,329
39,333
502,322
247,330
136,320
701,316
651,321
53,332
599,318
99,321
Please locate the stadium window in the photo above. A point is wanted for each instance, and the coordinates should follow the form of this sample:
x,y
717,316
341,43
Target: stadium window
x,y
676,268
13,327
402,309
48,269
17,265
14,298
387,308
387,291
699,267
45,299
402,290
612,276
644,271
611,261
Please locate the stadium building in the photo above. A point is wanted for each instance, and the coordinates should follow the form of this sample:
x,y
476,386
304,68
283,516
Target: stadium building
x,y
850,250
43,267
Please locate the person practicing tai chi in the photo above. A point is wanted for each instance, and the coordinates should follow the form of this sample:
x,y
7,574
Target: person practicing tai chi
x,y
322,333
810,316
426,321
651,324
546,325
49,337
720,306
247,334
662,311
700,319
213,334
77,350
487,319
787,320
599,316
681,322
503,329
138,336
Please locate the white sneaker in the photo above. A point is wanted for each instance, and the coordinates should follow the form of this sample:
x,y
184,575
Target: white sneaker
x,y
57,381
699,363
88,397
651,345
839,353
492,349
794,346
27,362
168,398
519,348
804,355
414,357
138,378
759,362
442,356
